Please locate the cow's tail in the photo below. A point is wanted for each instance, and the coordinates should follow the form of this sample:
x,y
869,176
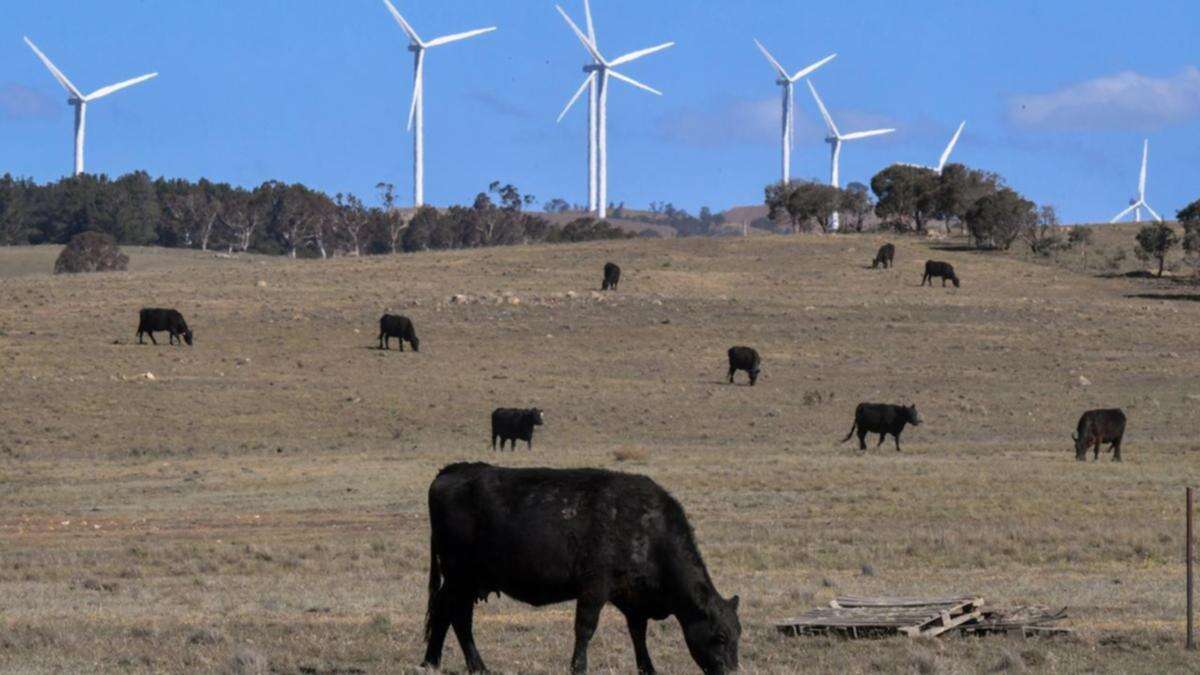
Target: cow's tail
x,y
852,428
435,585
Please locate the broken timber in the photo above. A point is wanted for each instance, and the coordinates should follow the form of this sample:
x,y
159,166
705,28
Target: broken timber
x,y
877,617
861,617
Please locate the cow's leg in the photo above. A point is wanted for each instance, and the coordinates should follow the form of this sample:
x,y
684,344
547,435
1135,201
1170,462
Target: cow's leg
x,y
493,440
381,341
140,340
637,631
461,614
587,615
896,437
862,438
438,624
882,438
924,278
528,443
1116,448
732,370
171,337
1096,450
151,334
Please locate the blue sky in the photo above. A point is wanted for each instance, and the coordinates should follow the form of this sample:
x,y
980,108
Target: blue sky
x,y
1057,95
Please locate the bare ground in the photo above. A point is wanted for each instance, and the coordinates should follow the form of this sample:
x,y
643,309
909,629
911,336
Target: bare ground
x,y
259,504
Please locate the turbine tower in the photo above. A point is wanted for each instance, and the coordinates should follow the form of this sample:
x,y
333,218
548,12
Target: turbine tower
x,y
416,113
590,83
79,101
945,153
835,140
598,72
788,125
1136,205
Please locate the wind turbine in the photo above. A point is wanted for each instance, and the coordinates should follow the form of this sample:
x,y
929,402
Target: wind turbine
x,y
416,113
945,153
80,101
599,70
786,81
1136,205
835,141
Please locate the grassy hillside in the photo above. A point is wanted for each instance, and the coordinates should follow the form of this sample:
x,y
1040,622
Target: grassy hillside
x,y
262,499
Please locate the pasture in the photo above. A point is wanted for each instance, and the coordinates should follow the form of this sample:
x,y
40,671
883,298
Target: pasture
x,y
260,503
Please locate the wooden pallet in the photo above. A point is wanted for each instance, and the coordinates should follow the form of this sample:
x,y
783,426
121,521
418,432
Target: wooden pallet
x,y
854,616
1024,621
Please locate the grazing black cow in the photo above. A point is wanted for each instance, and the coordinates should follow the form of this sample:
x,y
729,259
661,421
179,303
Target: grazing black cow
x,y
153,319
884,256
744,358
1096,427
612,276
513,424
882,419
937,268
399,327
544,536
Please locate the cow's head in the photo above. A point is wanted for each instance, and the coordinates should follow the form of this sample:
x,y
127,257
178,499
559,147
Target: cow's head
x,y
712,638
914,417
536,415
954,279
416,343
1081,446
187,336
754,370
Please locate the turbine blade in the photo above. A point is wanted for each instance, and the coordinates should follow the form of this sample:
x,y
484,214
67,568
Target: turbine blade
x,y
630,80
633,56
58,74
807,71
412,34
866,134
105,91
950,148
579,92
778,68
1124,213
821,105
1142,177
587,12
1152,212
417,91
582,38
458,36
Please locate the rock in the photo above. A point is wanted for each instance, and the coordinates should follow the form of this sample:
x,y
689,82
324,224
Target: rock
x,y
1084,382
149,375
262,283
514,300
571,294
459,299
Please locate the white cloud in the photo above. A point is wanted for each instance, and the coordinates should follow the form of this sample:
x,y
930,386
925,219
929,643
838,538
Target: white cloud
x,y
20,102
1126,100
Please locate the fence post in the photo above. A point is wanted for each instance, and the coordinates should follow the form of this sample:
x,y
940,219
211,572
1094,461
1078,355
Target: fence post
x,y
1190,556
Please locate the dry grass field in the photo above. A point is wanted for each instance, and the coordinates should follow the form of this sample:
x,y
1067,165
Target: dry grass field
x,y
259,505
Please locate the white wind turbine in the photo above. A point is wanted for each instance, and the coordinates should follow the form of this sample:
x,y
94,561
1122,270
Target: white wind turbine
x,y
599,70
1136,205
835,142
945,153
416,113
80,101
788,126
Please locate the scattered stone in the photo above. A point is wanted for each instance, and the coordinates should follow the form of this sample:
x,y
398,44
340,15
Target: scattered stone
x,y
459,299
262,283
514,300
571,294
149,376
1084,382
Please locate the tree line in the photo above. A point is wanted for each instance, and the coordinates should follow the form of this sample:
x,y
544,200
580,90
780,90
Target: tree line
x,y
908,198
273,218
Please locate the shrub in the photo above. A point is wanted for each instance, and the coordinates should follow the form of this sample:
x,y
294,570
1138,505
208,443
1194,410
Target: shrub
x,y
91,252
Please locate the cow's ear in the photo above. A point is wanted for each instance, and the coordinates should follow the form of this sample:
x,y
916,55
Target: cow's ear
x,y
734,602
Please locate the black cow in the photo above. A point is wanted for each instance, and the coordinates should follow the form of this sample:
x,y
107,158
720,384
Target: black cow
x,y
153,319
744,358
399,327
937,268
884,256
882,419
612,276
513,424
1096,427
544,536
